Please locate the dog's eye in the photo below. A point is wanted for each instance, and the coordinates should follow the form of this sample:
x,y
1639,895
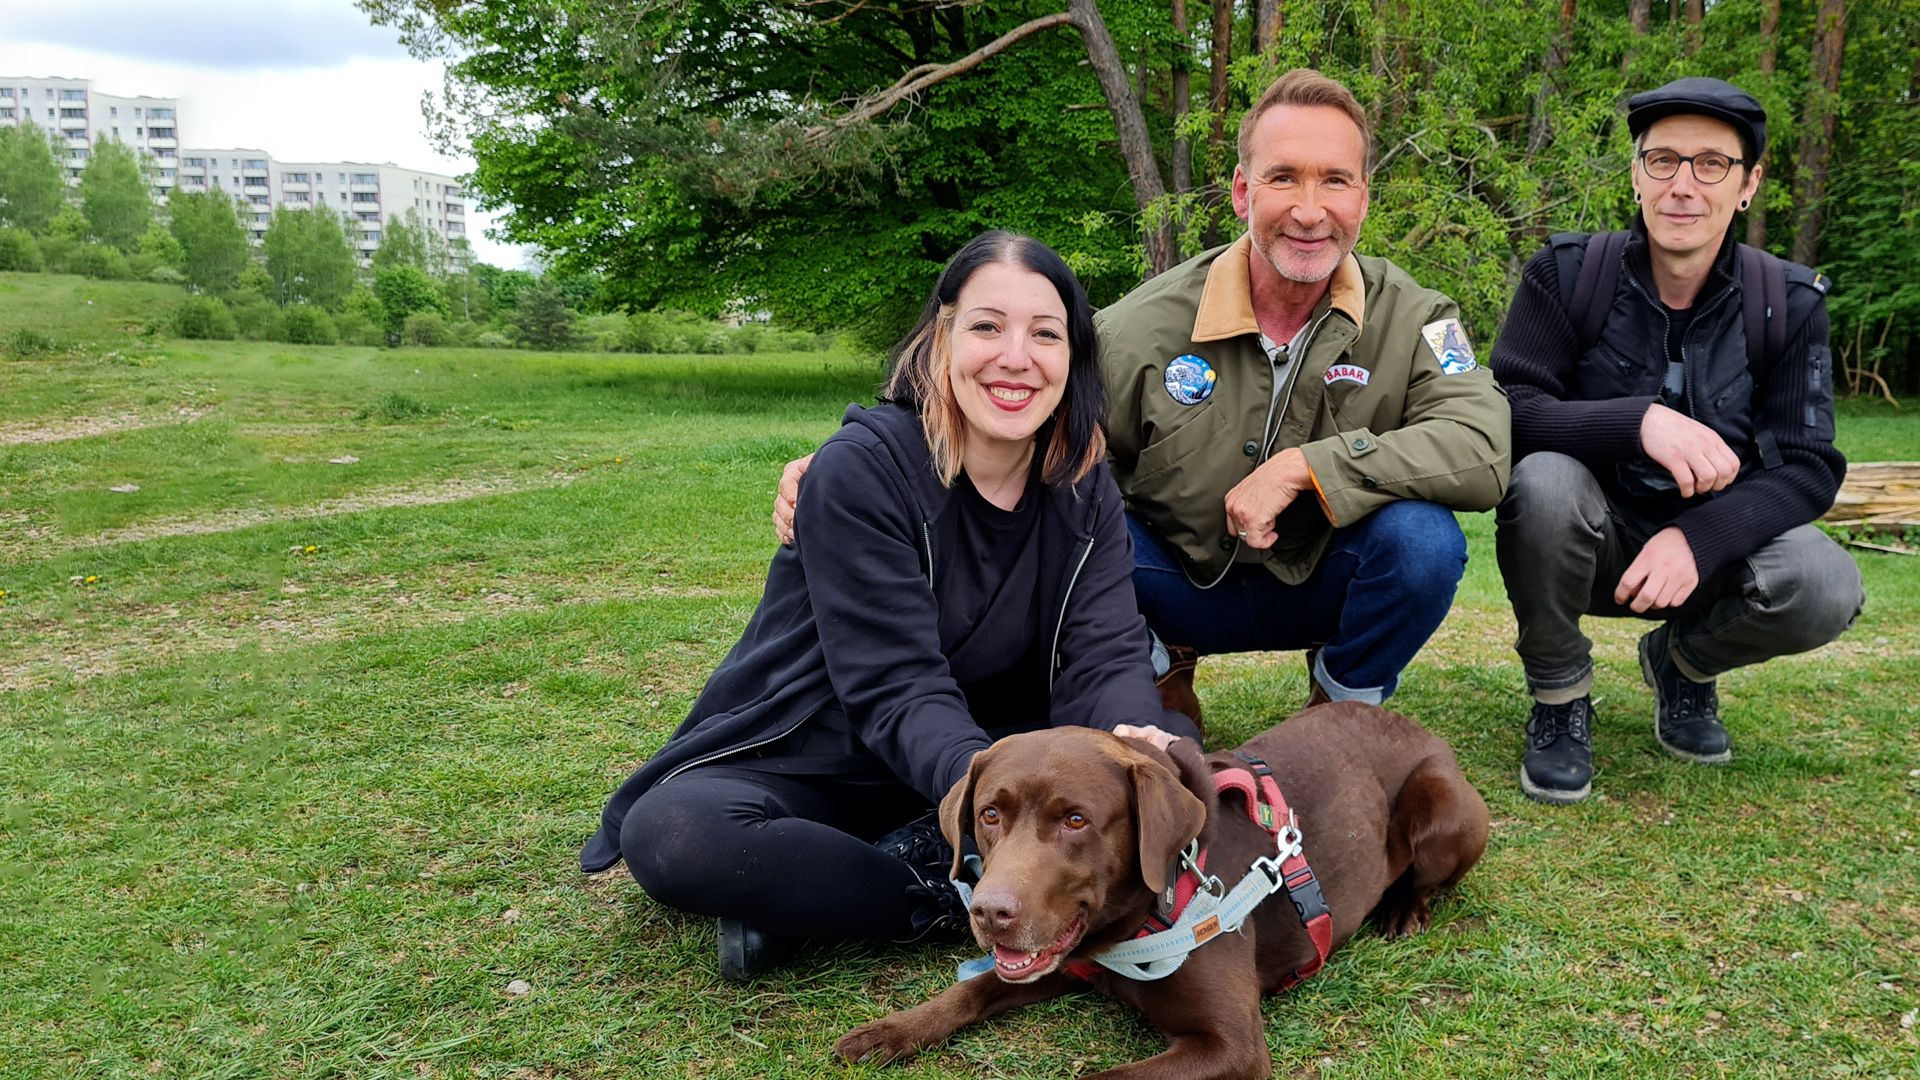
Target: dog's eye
x,y
989,816
1077,821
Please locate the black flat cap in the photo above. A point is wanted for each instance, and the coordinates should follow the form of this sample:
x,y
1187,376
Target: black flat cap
x,y
1703,97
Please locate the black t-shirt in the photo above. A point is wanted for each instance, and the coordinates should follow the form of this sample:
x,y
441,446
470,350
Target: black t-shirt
x,y
991,612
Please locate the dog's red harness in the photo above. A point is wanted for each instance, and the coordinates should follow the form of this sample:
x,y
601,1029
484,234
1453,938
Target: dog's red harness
x,y
1267,808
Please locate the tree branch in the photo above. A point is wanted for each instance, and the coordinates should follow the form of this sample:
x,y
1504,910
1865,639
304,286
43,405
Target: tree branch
x,y
919,78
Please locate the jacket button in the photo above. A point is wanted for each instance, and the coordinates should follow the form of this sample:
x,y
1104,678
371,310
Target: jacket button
x,y
1361,443
1251,448
1368,481
1226,543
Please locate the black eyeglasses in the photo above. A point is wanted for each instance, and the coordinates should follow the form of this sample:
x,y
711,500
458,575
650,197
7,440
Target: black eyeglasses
x,y
1709,166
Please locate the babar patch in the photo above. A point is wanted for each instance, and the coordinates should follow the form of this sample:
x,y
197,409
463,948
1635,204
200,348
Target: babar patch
x,y
1346,373
1448,341
1190,379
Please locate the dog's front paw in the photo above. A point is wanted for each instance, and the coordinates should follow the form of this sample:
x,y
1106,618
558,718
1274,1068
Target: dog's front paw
x,y
1404,920
885,1040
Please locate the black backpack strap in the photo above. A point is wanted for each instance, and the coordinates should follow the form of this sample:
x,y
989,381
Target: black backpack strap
x,y
1592,296
1763,302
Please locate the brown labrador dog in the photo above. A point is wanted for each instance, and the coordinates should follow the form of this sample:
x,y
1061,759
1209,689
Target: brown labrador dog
x,y
1078,830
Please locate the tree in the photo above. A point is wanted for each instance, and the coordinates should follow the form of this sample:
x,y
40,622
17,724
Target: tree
x,y
404,290
115,195
213,243
31,187
541,318
309,258
402,242
1816,136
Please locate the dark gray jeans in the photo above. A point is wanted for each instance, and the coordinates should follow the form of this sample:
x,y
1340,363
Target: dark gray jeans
x,y
1563,545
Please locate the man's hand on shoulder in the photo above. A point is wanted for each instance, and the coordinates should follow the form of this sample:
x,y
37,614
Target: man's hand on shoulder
x,y
787,499
1663,575
1255,502
1698,458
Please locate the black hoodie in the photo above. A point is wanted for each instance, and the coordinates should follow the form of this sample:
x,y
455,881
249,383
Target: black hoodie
x,y
851,613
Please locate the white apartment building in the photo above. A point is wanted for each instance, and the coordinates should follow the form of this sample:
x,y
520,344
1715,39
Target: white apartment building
x,y
365,196
84,118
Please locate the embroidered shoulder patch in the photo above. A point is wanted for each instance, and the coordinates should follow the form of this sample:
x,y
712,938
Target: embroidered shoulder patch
x,y
1346,373
1190,379
1448,341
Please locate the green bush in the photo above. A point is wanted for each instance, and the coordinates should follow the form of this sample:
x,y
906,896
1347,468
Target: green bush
x,y
99,261
257,319
353,328
397,408
19,251
426,328
603,333
166,275
306,324
204,318
27,343
492,339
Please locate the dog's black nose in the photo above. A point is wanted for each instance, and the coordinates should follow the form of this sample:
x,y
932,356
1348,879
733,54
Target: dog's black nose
x,y
994,909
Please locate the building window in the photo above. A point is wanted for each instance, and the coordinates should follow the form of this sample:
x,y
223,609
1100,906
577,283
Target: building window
x,y
196,162
139,133
366,178
6,114
365,197
136,112
257,163
293,178
160,133
116,131
159,114
6,92
296,197
164,153
113,110
73,95
73,114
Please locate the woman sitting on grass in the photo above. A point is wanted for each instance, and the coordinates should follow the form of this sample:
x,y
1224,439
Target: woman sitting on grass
x,y
962,572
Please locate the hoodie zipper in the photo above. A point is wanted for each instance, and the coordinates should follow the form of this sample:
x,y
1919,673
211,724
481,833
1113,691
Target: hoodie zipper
x,y
1066,599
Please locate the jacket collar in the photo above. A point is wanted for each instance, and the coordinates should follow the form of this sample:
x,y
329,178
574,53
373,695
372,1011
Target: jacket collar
x,y
898,427
1226,303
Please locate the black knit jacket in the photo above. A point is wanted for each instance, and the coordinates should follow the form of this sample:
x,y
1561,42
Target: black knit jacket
x,y
1537,360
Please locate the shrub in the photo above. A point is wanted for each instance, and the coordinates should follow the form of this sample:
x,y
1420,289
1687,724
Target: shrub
x,y
426,328
492,339
166,275
603,333
204,318
397,407
19,251
305,324
27,343
257,319
98,261
353,328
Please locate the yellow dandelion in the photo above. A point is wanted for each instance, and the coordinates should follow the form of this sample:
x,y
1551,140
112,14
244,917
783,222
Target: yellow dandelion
x,y
91,579
309,549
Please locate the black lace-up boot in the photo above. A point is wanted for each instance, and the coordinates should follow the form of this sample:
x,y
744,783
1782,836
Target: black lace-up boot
x,y
746,951
940,905
1558,766
1686,714
919,844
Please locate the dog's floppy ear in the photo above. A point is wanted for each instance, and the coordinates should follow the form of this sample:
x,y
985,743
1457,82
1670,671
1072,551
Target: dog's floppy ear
x,y
1167,818
956,811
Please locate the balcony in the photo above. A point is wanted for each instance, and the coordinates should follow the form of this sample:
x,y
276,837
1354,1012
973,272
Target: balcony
x,y
77,142
293,186
368,226
254,187
368,189
163,143
68,124
251,173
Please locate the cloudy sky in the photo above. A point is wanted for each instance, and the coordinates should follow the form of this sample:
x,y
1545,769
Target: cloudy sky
x,y
304,80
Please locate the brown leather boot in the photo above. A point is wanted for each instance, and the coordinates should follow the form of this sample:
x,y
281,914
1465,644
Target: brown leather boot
x,y
1176,686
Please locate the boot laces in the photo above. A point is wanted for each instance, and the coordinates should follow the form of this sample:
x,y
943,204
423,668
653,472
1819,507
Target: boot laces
x,y
1550,722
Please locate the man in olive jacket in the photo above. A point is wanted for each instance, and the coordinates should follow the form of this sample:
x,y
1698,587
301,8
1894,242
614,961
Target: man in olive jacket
x,y
1292,425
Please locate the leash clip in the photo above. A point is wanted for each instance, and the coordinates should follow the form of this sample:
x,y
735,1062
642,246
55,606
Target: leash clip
x,y
1289,838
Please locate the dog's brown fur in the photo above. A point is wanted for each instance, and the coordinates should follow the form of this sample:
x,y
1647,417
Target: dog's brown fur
x,y
1388,821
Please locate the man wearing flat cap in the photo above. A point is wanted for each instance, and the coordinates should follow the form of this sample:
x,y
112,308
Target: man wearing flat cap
x,y
1672,399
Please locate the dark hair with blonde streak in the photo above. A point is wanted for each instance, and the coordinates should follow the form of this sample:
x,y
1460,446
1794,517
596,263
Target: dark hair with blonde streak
x,y
920,366
1306,87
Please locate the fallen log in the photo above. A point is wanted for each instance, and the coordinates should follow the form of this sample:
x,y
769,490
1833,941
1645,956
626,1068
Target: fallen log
x,y
1878,496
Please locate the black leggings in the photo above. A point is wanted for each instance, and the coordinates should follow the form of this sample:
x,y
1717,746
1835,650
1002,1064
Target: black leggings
x,y
788,854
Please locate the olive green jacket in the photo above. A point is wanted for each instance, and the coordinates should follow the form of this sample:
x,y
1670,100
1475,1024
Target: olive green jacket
x,y
1368,403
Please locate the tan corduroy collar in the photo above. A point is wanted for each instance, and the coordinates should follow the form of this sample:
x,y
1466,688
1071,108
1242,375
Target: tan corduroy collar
x,y
1226,304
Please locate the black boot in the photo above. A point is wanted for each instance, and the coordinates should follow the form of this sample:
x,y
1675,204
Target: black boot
x,y
920,844
940,906
1686,714
1558,766
746,952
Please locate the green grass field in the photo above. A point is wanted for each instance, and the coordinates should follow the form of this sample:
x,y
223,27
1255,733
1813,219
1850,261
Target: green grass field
x,y
299,739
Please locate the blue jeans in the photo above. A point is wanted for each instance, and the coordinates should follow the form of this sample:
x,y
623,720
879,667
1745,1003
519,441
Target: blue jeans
x,y
1380,591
